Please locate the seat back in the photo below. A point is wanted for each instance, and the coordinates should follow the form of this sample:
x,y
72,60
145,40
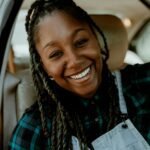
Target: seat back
x,y
18,95
9,107
25,94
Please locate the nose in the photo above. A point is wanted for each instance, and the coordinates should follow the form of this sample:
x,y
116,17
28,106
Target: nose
x,y
73,59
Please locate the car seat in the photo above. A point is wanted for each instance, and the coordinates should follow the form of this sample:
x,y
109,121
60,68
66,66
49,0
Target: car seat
x,y
18,95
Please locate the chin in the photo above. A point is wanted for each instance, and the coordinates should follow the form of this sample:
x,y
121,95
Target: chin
x,y
89,93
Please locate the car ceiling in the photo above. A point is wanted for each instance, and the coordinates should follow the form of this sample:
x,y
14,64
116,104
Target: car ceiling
x,y
133,9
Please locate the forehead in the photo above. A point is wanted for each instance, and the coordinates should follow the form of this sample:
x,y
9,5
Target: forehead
x,y
57,23
58,18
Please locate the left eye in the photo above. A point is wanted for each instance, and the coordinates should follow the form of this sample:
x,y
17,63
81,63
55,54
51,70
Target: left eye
x,y
81,43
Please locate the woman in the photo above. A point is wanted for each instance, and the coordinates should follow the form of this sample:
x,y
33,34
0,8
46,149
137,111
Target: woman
x,y
80,103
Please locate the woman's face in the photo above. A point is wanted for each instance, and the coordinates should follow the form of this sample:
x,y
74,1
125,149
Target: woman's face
x,y
70,53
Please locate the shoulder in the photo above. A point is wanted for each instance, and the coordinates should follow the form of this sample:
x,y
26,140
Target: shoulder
x,y
28,133
136,85
136,75
137,70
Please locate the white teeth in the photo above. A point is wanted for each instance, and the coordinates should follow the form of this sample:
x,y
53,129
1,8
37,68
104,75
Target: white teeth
x,y
81,75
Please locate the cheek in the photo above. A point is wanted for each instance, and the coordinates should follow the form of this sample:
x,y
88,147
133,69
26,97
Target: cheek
x,y
53,69
99,64
95,47
98,58
95,52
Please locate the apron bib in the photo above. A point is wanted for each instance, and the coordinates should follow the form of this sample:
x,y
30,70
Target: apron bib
x,y
124,136
120,138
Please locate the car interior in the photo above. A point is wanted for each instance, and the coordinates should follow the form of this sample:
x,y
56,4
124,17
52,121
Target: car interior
x,y
18,89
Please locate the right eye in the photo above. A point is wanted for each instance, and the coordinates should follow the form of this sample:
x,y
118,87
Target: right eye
x,y
81,42
55,54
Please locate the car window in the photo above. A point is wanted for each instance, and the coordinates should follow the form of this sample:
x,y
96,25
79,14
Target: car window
x,y
19,44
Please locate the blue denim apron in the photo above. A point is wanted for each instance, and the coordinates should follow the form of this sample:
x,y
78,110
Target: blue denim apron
x,y
124,136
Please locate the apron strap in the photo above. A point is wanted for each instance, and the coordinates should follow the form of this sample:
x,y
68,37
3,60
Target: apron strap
x,y
122,103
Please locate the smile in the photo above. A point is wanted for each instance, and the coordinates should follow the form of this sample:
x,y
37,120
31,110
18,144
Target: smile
x,y
82,74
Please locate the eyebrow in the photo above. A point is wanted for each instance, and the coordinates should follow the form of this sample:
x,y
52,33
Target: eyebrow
x,y
52,43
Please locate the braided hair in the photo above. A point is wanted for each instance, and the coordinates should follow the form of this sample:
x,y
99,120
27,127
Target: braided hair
x,y
62,122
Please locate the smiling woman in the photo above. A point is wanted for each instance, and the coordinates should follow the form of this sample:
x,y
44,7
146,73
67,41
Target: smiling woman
x,y
70,53
80,103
